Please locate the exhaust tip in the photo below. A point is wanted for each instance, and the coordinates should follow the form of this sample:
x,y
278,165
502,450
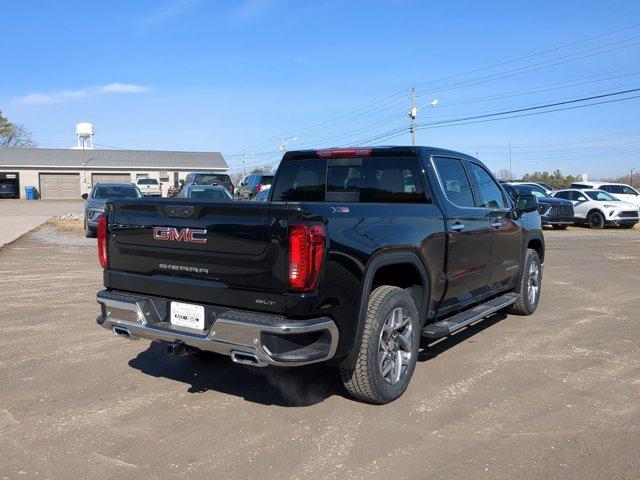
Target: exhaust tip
x,y
122,332
247,358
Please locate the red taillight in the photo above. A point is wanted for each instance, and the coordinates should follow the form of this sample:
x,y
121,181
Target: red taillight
x,y
306,253
102,241
344,152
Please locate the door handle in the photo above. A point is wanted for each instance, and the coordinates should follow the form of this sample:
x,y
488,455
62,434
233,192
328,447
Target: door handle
x,y
496,224
457,227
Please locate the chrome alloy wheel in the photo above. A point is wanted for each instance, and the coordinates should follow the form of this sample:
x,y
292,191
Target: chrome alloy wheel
x,y
395,345
533,282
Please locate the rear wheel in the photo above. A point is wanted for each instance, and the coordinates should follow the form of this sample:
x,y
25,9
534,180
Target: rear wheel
x,y
529,285
389,349
560,227
596,220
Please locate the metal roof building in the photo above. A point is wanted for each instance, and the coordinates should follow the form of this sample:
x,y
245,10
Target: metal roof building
x,y
67,173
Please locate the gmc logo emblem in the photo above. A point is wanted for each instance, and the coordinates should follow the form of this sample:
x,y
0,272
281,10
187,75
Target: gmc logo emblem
x,y
189,235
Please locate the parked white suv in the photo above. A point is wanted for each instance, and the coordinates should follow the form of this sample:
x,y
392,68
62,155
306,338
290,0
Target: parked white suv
x,y
598,208
619,190
149,187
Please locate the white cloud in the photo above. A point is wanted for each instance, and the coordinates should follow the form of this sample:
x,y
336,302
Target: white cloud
x,y
166,13
123,88
253,9
79,94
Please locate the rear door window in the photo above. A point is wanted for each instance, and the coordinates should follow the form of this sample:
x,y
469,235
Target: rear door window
x,y
454,181
565,195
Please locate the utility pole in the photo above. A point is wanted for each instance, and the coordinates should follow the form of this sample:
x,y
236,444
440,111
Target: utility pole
x,y
244,175
413,113
284,141
631,178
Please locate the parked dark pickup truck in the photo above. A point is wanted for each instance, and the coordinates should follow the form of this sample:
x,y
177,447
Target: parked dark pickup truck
x,y
357,254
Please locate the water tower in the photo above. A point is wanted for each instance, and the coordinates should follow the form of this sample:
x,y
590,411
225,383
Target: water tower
x,y
84,132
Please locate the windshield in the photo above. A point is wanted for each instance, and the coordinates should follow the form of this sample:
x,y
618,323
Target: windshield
x,y
217,193
211,178
601,196
124,191
529,190
147,181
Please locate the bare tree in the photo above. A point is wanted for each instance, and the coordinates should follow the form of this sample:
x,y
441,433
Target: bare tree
x,y
263,169
14,135
236,177
505,174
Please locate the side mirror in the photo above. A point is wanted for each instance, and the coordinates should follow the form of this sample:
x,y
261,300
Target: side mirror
x,y
85,196
582,199
526,204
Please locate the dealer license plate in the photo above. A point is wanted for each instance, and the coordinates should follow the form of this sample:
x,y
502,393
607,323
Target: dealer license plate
x,y
187,315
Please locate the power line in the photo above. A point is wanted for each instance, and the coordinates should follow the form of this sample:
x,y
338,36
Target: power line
x,y
536,54
394,99
543,88
537,66
518,110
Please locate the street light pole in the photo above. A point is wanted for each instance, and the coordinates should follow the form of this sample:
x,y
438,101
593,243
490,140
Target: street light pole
x,y
413,113
284,141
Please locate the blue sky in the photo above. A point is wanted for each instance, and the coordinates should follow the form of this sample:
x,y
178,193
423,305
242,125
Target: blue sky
x,y
234,75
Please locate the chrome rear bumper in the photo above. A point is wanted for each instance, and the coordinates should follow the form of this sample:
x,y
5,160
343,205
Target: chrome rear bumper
x,y
247,337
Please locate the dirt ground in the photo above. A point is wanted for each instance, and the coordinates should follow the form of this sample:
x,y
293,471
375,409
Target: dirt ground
x,y
555,395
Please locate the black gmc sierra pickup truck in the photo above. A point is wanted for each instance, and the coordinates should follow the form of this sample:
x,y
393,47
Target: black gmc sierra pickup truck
x,y
358,253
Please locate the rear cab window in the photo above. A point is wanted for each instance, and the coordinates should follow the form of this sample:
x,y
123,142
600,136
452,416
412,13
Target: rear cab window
x,y
266,180
351,180
147,181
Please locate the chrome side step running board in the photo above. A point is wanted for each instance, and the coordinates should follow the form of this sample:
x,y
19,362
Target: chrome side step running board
x,y
449,325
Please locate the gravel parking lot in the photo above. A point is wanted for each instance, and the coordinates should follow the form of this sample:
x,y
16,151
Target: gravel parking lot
x,y
555,395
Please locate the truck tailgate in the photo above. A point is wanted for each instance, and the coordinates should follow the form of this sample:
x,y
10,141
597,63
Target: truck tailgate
x,y
200,251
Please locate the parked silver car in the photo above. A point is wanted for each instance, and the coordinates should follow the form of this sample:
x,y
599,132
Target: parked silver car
x,y
206,192
96,200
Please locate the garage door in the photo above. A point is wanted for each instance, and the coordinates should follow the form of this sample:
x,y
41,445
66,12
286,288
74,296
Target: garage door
x,y
110,178
59,186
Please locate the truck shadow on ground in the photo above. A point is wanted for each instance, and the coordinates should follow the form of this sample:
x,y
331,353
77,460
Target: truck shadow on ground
x,y
430,348
282,386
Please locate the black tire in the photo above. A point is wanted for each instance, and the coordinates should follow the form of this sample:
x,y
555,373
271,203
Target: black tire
x,y
596,220
528,303
559,227
365,380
